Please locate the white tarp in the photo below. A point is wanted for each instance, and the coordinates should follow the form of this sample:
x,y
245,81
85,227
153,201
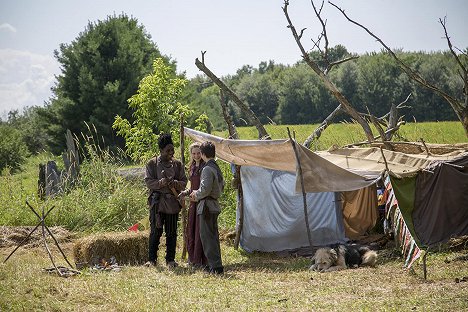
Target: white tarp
x,y
274,213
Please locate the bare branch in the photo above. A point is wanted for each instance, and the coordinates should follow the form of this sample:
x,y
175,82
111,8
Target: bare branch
x,y
449,43
203,56
456,105
262,133
325,123
302,32
327,82
324,29
341,62
233,134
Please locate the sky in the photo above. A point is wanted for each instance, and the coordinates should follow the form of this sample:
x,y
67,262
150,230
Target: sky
x,y
234,33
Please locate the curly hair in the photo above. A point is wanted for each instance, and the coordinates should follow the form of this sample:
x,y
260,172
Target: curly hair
x,y
164,140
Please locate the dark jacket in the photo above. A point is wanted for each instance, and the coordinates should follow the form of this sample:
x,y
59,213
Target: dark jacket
x,y
155,171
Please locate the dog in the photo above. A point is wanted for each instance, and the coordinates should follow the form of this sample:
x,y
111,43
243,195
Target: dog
x,y
341,257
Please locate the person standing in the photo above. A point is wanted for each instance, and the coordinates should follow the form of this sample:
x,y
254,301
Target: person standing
x,y
196,257
165,178
208,208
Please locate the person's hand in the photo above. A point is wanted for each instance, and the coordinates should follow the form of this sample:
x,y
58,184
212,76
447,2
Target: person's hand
x,y
182,194
163,182
171,183
193,197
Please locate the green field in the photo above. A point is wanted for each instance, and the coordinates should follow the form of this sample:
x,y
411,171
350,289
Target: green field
x,y
103,201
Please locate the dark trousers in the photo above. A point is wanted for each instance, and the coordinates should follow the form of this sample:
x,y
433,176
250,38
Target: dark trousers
x,y
169,226
210,239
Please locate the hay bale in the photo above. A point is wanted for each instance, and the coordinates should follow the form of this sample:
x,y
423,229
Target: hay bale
x,y
127,248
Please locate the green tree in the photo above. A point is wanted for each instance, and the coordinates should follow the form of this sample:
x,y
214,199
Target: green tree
x,y
13,150
101,69
156,110
31,127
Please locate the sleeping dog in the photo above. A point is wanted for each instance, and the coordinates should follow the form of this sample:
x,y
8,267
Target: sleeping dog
x,y
341,257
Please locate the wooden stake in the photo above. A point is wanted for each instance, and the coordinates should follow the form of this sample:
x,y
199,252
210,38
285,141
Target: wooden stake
x,y
306,214
182,201
240,200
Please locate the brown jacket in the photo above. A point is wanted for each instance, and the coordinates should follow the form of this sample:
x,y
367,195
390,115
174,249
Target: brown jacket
x,y
168,202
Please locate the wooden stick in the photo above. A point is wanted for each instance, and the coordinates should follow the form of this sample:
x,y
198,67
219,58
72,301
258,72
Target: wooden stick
x,y
240,200
385,160
27,237
52,235
182,200
424,264
425,146
46,246
306,214
262,133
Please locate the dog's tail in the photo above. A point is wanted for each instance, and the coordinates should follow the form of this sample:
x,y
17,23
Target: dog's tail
x,y
369,258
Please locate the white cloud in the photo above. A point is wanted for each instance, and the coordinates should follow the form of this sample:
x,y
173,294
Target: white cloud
x,y
25,79
7,28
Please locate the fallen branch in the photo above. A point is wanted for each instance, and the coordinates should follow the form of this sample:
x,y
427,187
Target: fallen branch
x,y
262,133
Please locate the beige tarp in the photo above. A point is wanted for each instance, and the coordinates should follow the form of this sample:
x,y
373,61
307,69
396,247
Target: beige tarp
x,y
359,211
337,170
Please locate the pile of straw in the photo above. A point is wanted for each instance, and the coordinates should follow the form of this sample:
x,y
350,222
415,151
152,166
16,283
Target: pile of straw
x,y
127,248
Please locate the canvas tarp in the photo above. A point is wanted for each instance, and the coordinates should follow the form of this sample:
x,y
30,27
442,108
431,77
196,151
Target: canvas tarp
x,y
360,212
441,202
336,170
274,217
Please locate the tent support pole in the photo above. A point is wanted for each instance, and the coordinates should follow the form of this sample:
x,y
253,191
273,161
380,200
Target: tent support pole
x,y
385,160
424,264
240,200
233,134
306,214
182,200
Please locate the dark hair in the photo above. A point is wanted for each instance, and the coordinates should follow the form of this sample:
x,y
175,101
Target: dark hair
x,y
164,140
208,149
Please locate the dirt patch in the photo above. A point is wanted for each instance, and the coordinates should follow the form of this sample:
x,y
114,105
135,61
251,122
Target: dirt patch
x,y
14,235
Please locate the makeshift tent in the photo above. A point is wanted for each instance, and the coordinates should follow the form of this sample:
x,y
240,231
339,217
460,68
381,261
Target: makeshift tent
x,y
272,191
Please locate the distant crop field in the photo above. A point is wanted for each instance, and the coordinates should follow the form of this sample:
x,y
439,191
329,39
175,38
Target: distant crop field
x,y
446,132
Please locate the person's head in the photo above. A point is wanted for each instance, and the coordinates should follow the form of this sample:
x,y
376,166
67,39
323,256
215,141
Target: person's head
x,y
208,150
195,152
166,146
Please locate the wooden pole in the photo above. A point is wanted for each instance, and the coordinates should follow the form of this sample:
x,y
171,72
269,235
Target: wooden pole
x,y
424,264
46,246
27,237
182,200
306,214
240,200
51,234
233,134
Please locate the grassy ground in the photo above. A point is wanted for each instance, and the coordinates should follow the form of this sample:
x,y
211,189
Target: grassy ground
x,y
252,282
103,201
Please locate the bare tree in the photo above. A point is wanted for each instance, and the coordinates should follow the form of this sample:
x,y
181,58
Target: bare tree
x,y
323,74
262,133
460,106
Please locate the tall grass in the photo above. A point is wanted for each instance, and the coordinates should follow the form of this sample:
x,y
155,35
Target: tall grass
x,y
100,200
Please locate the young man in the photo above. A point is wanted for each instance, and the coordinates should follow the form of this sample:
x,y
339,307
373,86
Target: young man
x,y
165,178
211,187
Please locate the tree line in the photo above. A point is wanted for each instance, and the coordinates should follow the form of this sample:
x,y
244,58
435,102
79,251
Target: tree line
x,y
293,94
104,66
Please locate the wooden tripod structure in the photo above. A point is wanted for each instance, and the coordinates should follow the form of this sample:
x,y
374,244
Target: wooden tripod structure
x,y
44,229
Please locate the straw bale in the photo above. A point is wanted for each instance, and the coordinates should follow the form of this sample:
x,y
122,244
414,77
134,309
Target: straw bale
x,y
127,248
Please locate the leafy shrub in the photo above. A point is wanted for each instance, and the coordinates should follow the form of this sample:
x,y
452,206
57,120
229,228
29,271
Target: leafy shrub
x,y
13,150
